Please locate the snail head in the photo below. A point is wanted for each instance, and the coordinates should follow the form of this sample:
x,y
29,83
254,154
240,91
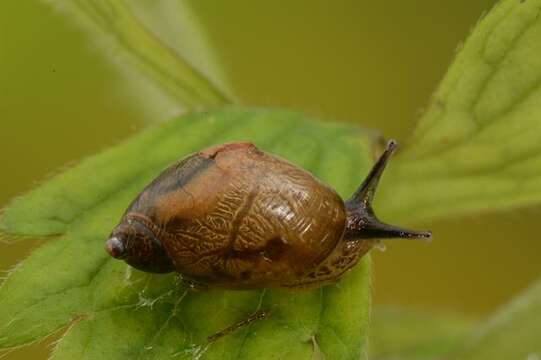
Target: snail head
x,y
135,241
361,222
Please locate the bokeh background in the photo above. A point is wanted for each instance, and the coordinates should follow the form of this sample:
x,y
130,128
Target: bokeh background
x,y
372,63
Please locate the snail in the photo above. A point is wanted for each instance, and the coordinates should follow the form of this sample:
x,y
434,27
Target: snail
x,y
236,217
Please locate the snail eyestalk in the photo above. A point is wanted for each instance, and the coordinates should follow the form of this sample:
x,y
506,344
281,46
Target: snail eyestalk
x,y
362,223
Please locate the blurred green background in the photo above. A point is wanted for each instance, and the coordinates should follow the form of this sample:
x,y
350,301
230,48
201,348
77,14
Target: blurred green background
x,y
373,63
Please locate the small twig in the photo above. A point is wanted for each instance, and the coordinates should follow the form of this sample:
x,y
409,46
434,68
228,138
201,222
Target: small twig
x,y
258,315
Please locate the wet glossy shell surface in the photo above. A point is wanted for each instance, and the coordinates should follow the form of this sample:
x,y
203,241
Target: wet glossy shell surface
x,y
237,217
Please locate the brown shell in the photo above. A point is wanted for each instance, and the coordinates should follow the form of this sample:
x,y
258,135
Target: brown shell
x,y
237,217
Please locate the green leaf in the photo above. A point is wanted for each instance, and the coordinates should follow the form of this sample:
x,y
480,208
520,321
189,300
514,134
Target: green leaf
x,y
514,332
415,333
182,27
477,147
114,311
118,30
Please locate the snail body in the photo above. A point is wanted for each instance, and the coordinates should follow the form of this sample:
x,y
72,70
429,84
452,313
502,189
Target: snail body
x,y
236,217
